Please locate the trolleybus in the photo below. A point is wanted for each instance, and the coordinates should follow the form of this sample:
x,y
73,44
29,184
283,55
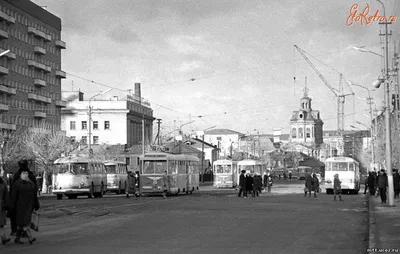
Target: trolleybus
x,y
182,173
225,174
116,176
252,167
76,176
349,174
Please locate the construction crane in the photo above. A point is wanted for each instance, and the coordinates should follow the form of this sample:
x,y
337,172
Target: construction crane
x,y
341,97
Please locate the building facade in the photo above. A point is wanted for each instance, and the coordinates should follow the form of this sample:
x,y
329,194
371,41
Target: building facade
x,y
306,124
226,140
31,73
112,122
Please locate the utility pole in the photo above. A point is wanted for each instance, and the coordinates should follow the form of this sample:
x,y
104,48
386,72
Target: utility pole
x,y
158,131
143,149
387,112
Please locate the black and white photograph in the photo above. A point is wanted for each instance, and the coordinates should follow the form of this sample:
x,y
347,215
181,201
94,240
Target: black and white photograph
x,y
199,126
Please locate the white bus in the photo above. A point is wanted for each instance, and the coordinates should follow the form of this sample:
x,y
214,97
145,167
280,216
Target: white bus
x,y
77,176
348,170
252,167
182,173
116,176
225,174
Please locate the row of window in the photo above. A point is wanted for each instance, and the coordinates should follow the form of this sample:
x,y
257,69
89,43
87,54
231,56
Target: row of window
x,y
24,121
84,125
22,19
28,88
300,133
32,73
84,139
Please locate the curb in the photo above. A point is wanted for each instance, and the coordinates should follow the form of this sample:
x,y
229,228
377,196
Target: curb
x,y
371,223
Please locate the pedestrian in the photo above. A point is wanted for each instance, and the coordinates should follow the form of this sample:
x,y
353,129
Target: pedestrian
x,y
284,176
382,185
308,184
396,183
130,184
371,183
290,175
24,201
315,185
4,202
249,184
257,184
23,166
137,176
269,183
265,180
365,185
165,184
242,184
337,187
39,183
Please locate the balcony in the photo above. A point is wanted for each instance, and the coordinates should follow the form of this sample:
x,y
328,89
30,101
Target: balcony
x,y
5,17
3,107
3,34
61,44
8,126
39,82
8,90
39,114
39,34
35,97
61,104
40,66
11,20
32,63
3,70
60,74
39,50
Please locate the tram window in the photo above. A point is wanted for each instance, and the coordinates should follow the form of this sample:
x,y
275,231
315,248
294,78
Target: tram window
x,y
227,169
220,169
172,167
351,167
111,169
340,166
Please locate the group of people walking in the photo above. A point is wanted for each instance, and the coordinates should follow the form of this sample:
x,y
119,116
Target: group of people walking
x,y
377,184
312,185
18,204
253,183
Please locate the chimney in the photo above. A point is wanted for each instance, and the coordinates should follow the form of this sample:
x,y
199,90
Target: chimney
x,y
137,92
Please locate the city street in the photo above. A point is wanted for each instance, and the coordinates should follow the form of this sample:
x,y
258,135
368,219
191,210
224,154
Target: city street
x,y
209,221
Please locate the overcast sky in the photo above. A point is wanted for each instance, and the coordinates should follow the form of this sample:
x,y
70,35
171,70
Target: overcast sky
x,y
239,52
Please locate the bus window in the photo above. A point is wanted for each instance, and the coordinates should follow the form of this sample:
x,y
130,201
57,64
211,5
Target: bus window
x,y
340,166
351,166
62,168
79,169
111,169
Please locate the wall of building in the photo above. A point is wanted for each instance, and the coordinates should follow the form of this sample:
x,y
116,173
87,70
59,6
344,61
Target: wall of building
x,y
224,141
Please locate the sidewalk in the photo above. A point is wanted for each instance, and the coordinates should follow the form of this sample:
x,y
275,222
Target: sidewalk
x,y
384,231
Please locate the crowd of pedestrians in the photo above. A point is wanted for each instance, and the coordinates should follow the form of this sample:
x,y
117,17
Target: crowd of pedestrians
x,y
377,184
254,183
312,185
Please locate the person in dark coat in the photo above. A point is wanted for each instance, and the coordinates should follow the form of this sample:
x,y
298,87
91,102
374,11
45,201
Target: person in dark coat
x,y
242,184
4,202
23,165
39,183
24,201
382,185
249,184
308,184
315,185
265,180
131,185
337,187
269,183
371,183
396,183
257,182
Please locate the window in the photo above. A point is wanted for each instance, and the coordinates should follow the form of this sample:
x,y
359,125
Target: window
x,y
73,139
219,138
95,125
106,125
300,132
128,161
84,125
84,140
95,139
308,133
294,133
72,125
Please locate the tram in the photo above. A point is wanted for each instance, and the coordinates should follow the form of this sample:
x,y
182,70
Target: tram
x,y
225,174
116,176
76,176
182,173
252,166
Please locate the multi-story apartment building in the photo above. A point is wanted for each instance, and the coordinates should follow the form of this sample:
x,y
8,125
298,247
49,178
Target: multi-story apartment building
x,y
30,74
114,121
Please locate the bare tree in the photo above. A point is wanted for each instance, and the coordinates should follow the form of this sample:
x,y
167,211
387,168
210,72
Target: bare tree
x,y
44,145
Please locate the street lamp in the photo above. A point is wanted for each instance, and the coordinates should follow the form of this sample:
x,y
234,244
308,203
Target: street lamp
x,y
90,120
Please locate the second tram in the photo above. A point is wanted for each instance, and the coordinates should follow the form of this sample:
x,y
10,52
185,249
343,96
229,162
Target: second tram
x,y
348,170
225,174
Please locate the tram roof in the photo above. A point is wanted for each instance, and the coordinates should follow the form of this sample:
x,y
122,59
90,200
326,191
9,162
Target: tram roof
x,y
108,162
169,156
251,161
342,159
76,159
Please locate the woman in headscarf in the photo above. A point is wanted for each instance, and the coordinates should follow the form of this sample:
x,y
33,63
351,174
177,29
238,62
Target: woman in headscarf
x,y
24,201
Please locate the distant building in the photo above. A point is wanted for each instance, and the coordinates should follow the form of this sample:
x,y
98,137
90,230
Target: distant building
x,y
114,121
257,145
31,73
226,140
306,124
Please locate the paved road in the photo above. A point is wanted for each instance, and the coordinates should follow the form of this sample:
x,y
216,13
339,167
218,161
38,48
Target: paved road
x,y
209,221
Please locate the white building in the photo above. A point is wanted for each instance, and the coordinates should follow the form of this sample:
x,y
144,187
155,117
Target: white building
x,y
115,121
226,140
